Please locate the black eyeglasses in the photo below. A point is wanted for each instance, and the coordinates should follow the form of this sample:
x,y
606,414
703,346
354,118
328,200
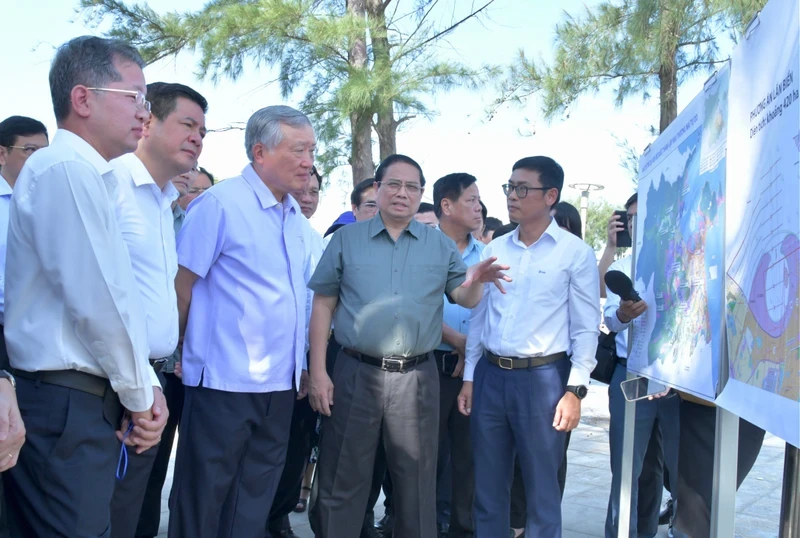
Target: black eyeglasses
x,y
522,190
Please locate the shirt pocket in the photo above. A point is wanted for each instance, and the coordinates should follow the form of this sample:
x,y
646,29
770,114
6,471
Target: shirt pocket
x,y
426,283
364,283
551,286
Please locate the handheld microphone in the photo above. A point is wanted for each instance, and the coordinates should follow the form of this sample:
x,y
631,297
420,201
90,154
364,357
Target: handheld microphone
x,y
619,283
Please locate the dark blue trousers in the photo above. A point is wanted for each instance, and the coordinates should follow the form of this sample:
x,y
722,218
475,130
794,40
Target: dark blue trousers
x,y
512,413
657,418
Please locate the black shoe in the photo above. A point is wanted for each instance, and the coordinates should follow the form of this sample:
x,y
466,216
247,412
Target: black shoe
x,y
372,532
665,517
386,523
287,533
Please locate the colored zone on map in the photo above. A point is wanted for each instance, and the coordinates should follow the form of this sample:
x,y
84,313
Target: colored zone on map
x,y
682,253
763,313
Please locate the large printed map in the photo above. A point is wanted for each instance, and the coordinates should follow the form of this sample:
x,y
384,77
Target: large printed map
x,y
763,225
679,260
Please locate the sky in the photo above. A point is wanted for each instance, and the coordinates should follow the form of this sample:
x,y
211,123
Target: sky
x,y
459,138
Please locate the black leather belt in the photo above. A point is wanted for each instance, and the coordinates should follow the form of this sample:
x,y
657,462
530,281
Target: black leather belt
x,y
388,364
71,379
514,363
623,362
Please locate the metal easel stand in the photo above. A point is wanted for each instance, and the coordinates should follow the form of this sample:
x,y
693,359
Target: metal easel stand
x,y
790,502
625,494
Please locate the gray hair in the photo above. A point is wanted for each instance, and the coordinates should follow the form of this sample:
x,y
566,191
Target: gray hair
x,y
87,61
264,127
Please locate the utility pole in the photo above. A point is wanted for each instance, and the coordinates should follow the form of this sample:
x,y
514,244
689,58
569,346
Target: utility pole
x,y
585,189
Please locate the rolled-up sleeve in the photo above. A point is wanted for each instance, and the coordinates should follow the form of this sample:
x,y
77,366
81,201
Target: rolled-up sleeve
x,y
584,316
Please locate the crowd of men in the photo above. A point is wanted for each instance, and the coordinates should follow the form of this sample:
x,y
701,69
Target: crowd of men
x,y
423,349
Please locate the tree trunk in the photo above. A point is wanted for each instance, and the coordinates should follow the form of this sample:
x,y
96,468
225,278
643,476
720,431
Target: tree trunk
x,y
668,84
387,125
360,121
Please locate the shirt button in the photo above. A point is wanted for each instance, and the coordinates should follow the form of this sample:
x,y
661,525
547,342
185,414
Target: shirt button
x,y
396,316
395,270
398,342
395,292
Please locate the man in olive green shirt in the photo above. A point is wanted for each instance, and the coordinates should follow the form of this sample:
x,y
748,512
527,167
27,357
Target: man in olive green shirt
x,y
382,281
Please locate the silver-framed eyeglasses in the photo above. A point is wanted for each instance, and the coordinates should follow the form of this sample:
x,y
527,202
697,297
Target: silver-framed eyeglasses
x,y
141,99
521,190
27,150
394,187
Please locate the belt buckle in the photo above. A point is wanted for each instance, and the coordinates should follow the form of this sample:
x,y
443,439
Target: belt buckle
x,y
503,361
392,364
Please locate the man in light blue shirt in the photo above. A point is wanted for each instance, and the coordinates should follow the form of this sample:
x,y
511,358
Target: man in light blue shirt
x,y
457,205
241,289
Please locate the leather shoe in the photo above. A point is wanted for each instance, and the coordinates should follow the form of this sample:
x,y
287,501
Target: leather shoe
x,y
665,517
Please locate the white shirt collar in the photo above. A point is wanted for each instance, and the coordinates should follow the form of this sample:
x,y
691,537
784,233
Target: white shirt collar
x,y
82,148
141,176
553,230
5,188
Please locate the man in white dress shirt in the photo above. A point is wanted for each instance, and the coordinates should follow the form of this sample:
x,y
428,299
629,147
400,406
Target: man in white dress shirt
x,y
527,391
242,298
75,327
171,143
20,137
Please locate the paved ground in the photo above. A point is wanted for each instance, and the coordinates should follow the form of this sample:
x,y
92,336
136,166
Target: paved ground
x,y
589,478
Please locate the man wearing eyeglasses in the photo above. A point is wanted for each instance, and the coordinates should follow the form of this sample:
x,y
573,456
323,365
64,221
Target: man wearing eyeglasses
x,y
203,180
527,390
20,137
385,280
75,328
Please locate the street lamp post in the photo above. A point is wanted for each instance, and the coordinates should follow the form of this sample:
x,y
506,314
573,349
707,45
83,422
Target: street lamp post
x,y
585,189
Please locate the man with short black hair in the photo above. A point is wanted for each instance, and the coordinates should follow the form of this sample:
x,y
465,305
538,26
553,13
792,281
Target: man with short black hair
x,y
385,279
20,137
427,215
457,204
171,143
75,327
490,226
527,389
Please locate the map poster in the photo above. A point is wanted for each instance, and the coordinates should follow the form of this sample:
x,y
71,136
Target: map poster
x,y
763,231
679,247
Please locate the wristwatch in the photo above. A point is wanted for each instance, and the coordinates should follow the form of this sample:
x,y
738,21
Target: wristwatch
x,y
578,390
6,375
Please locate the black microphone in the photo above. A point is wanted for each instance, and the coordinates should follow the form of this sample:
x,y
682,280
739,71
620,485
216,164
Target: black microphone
x,y
619,283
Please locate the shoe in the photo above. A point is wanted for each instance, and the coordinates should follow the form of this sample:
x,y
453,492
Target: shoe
x,y
386,522
372,532
665,517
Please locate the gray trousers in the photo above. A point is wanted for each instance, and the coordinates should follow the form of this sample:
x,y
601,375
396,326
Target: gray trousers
x,y
64,478
369,404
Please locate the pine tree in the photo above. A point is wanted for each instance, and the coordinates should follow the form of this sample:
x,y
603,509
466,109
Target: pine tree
x,y
362,69
634,46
